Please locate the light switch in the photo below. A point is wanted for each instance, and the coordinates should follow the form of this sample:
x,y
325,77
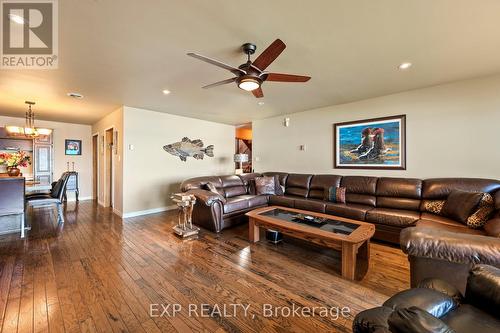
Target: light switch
x,y
131,147
302,147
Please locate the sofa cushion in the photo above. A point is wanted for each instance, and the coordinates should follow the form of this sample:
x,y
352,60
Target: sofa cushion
x,y
281,200
461,204
360,189
396,217
467,318
243,202
399,187
399,193
443,223
440,188
298,185
350,211
313,205
321,183
449,225
398,203
233,186
492,227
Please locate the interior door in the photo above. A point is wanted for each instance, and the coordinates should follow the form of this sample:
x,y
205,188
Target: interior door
x,y
43,163
95,147
109,168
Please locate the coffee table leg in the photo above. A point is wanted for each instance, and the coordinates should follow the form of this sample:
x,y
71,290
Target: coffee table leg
x,y
348,260
253,231
363,262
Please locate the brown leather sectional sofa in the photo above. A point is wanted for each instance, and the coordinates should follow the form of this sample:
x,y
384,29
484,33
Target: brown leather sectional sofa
x,y
392,204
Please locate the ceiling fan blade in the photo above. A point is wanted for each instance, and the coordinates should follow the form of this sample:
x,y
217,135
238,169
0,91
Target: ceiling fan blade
x,y
258,92
219,83
286,77
217,63
269,55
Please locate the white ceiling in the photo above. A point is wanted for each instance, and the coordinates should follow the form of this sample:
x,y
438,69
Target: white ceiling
x,y
126,52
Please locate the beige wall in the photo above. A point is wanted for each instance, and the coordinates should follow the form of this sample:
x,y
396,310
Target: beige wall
x,y
113,120
63,131
151,174
452,130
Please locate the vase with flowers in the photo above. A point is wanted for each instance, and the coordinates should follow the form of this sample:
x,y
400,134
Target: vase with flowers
x,y
13,161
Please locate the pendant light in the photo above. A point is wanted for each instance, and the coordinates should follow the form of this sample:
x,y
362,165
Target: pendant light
x,y
29,130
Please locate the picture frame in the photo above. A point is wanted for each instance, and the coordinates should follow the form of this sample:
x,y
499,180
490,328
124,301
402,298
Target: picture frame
x,y
72,147
376,143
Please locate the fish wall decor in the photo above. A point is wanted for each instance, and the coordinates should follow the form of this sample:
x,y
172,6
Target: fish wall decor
x,y
189,148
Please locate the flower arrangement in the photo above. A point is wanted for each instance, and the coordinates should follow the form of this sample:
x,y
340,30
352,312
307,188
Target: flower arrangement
x,y
15,160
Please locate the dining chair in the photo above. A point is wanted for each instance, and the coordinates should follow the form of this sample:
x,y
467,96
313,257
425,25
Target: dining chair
x,y
54,198
12,199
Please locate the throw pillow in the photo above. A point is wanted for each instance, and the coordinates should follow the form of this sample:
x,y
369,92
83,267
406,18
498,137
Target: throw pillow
x,y
211,187
483,212
433,206
336,194
278,189
251,187
460,204
264,185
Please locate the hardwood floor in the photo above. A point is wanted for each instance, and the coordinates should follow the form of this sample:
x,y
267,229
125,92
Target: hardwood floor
x,y
96,273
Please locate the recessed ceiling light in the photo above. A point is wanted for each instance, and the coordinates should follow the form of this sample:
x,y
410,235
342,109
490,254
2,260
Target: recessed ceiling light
x,y
261,103
404,66
166,91
75,95
16,18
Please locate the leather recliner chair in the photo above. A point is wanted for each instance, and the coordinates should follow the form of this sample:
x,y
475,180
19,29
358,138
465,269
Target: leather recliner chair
x,y
436,306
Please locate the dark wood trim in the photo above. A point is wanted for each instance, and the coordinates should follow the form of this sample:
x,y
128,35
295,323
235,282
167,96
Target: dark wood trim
x,y
402,150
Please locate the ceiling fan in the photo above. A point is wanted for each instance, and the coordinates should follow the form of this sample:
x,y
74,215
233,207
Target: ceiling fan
x,y
251,75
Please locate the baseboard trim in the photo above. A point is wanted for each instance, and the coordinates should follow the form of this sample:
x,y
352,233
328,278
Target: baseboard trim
x,y
73,199
147,211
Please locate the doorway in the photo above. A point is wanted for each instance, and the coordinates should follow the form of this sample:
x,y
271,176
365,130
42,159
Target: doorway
x,y
108,170
243,146
95,166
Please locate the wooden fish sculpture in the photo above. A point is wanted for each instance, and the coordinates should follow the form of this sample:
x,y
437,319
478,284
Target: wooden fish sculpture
x,y
189,148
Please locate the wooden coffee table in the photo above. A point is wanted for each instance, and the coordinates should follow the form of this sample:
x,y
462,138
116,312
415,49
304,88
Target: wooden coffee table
x,y
337,234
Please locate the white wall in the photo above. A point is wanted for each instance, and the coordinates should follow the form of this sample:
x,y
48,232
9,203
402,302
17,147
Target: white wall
x,y
113,120
63,131
150,174
452,130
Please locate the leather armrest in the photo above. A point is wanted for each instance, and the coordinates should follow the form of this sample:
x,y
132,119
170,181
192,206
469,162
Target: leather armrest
x,y
497,200
450,246
372,320
483,288
434,302
207,197
416,320
492,227
443,287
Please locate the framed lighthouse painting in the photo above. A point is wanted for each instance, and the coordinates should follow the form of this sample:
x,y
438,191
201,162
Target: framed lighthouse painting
x,y
378,143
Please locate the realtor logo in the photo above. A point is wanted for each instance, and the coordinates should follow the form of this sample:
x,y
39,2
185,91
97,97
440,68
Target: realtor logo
x,y
29,34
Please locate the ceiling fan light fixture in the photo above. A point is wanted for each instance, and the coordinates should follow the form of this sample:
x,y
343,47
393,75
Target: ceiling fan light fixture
x,y
249,83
